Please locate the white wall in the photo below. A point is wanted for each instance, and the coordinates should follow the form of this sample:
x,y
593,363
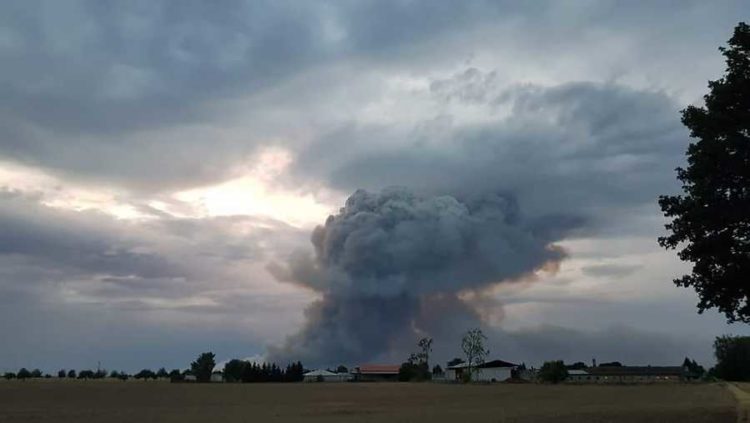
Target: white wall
x,y
483,375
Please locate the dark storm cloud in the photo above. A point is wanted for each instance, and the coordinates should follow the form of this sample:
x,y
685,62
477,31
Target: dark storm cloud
x,y
96,76
385,256
103,77
576,150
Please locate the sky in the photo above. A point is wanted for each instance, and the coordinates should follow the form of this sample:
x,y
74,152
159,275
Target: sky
x,y
168,169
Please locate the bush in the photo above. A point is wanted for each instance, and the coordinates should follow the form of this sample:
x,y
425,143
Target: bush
x,y
553,372
732,358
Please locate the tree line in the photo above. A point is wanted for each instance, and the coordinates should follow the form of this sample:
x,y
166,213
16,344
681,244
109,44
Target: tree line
x,y
243,371
200,370
24,373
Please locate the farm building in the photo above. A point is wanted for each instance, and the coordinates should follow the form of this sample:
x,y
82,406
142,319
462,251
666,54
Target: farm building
x,y
325,376
376,372
490,371
627,374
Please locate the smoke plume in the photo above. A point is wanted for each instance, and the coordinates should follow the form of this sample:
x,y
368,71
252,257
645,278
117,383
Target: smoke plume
x,y
392,264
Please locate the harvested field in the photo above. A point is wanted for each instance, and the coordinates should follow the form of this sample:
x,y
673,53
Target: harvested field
x,y
113,401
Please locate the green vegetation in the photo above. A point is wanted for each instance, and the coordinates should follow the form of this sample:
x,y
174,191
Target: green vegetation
x,y
203,366
711,220
553,372
417,367
472,345
732,358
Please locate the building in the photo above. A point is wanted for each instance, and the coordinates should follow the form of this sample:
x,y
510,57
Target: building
x,y
627,374
217,377
490,371
325,376
376,372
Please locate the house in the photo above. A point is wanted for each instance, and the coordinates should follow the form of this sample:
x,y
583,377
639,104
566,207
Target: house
x,y
326,376
490,371
376,372
190,378
627,374
217,377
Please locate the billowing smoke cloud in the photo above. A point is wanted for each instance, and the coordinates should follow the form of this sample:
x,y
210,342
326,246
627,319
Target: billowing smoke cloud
x,y
394,263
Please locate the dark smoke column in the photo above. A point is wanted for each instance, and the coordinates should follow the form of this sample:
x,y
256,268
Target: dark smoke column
x,y
382,260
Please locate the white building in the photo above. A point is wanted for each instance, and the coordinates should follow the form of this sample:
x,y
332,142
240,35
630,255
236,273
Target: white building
x,y
325,376
491,371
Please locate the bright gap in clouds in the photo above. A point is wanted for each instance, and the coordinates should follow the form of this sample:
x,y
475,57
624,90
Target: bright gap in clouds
x,y
56,193
253,193
256,193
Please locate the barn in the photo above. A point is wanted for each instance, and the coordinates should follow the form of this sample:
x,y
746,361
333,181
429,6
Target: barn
x,y
627,374
376,372
490,371
325,376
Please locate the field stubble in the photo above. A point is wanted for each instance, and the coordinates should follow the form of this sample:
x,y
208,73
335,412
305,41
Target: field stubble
x,y
113,401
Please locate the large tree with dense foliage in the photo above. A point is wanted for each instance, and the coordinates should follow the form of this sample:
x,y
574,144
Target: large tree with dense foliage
x,y
553,372
233,370
732,357
711,219
203,366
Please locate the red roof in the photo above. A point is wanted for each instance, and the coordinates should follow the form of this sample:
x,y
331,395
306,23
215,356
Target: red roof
x,y
380,369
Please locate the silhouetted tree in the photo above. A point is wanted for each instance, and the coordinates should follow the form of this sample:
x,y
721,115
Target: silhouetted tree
x,y
9,375
175,375
611,364
36,373
437,370
145,374
693,369
472,345
203,366
233,370
86,374
298,372
425,347
711,221
417,367
23,373
342,369
162,373
732,358
553,371
71,374
61,373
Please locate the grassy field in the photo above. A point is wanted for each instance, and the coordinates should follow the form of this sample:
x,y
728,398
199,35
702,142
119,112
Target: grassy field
x,y
113,401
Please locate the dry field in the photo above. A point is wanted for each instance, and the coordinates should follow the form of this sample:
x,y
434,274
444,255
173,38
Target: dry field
x,y
135,401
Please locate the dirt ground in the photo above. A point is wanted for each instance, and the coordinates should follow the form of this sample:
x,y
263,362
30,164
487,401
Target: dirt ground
x,y
113,401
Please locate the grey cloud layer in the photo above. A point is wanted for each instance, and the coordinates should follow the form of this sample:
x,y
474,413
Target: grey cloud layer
x,y
144,95
139,280
104,78
577,150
